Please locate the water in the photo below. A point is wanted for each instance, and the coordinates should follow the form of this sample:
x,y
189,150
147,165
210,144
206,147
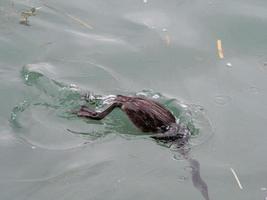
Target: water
x,y
163,50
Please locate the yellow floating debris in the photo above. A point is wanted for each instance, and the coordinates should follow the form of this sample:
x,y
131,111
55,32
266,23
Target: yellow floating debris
x,y
80,21
220,49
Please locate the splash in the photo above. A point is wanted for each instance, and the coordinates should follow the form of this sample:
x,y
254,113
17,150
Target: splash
x,y
40,120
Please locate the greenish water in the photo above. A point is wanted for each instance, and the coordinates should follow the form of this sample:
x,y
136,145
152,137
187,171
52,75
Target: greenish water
x,y
164,50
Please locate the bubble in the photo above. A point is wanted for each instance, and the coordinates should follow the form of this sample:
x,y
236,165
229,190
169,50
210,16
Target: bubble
x,y
178,157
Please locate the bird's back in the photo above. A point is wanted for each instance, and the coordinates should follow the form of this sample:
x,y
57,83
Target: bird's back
x,y
146,114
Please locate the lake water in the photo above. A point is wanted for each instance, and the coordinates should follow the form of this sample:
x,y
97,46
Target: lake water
x,y
166,50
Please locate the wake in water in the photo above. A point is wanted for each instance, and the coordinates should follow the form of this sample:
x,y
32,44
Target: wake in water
x,y
50,103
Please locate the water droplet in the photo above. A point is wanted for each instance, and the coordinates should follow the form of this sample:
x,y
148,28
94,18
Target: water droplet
x,y
263,189
222,100
145,1
33,147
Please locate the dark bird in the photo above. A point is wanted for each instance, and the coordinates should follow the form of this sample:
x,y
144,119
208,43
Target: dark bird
x,y
146,114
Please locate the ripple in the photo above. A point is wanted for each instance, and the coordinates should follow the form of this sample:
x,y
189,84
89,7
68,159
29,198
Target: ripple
x,y
97,37
150,19
45,118
6,138
73,173
254,90
222,99
41,119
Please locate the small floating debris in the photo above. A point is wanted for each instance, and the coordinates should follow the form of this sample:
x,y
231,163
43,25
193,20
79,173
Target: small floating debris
x,y
145,1
236,178
219,48
229,64
26,14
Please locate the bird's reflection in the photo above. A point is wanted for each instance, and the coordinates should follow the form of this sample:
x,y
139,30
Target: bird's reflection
x,y
194,165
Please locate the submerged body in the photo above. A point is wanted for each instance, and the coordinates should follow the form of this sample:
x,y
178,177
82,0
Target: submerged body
x,y
146,114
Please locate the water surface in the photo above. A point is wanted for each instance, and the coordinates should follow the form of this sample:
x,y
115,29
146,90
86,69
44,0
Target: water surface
x,y
152,48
